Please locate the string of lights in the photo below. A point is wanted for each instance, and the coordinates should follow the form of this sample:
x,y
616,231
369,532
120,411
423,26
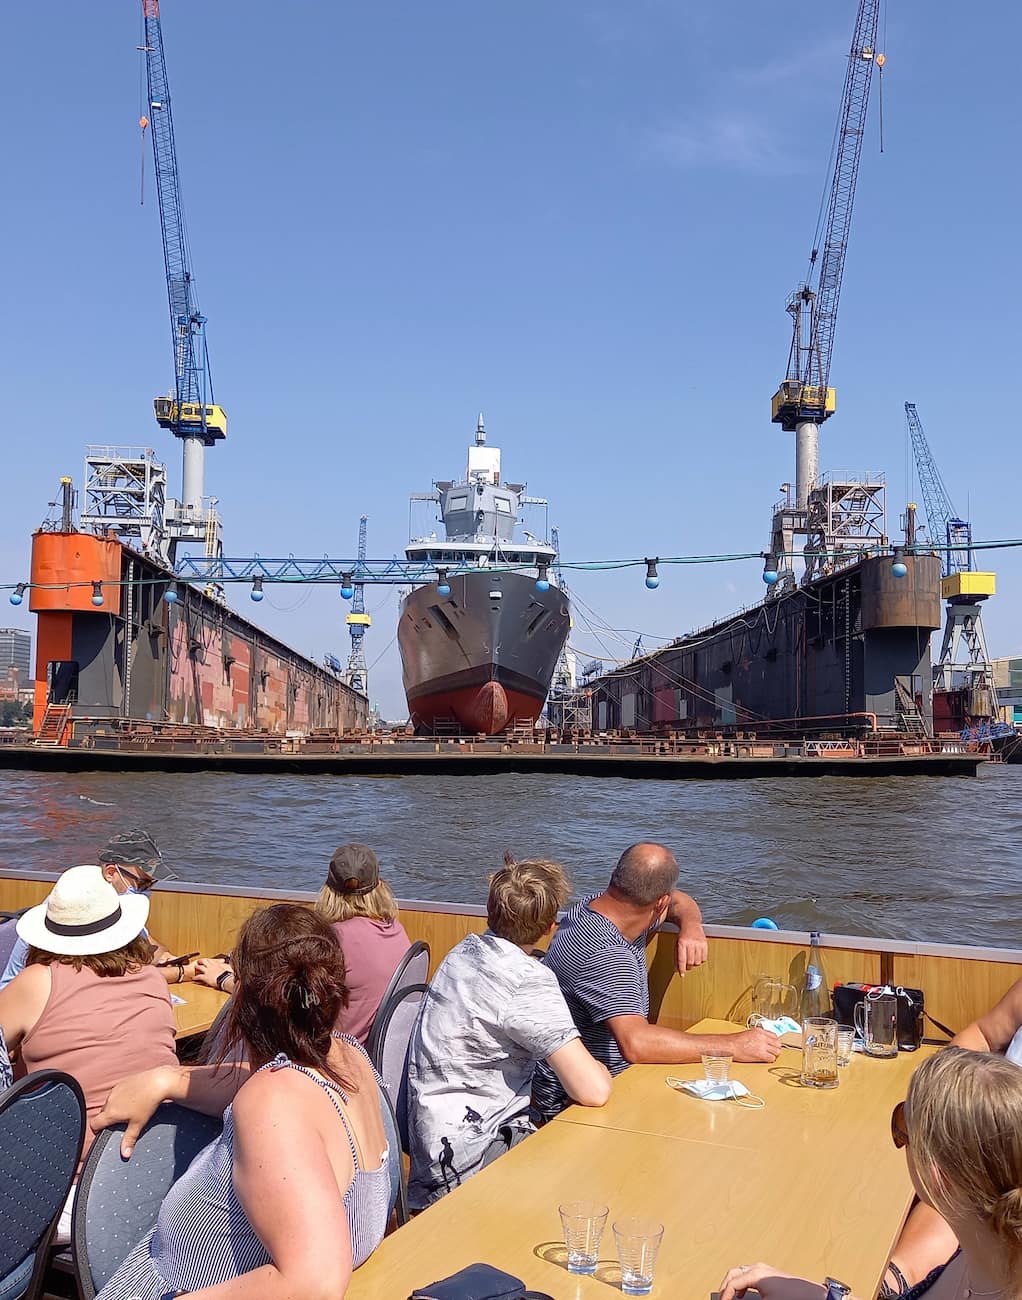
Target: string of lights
x,y
256,570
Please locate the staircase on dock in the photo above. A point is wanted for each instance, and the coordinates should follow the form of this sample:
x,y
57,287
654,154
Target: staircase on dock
x,y
54,725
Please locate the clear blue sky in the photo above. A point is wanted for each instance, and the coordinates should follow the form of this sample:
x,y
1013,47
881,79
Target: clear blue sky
x,y
581,216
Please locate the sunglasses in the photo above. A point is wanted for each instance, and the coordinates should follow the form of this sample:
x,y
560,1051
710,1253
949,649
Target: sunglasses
x,y
899,1127
142,883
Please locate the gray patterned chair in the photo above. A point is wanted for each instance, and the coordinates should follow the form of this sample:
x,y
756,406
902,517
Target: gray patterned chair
x,y
42,1129
119,1200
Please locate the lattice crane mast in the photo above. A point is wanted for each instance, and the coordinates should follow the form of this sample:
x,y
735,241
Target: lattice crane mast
x,y
191,414
963,673
358,623
805,399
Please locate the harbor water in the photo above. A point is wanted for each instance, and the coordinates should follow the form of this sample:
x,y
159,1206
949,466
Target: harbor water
x,y
914,858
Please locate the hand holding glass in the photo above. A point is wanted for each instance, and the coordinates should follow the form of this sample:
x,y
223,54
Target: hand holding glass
x,y
583,1223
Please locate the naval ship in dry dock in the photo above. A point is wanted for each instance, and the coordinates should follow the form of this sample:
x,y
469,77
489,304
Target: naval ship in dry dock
x,y
480,644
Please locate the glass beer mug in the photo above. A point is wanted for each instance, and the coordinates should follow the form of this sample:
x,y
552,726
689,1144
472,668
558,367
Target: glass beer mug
x,y
772,998
876,1021
819,1052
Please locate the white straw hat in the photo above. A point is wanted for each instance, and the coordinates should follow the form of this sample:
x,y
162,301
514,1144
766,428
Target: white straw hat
x,y
84,915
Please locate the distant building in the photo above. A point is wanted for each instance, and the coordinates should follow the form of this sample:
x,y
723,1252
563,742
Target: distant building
x,y
15,662
1008,680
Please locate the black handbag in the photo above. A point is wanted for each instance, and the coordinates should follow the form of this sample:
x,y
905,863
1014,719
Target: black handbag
x,y
478,1282
911,1011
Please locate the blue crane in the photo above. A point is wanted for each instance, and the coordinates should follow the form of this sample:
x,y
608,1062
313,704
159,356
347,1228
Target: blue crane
x,y
965,693
804,399
358,623
953,536
191,414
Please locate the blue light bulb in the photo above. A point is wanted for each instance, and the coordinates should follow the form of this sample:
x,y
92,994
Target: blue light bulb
x,y
899,569
16,598
347,591
98,598
256,593
443,589
170,596
652,583
542,584
770,576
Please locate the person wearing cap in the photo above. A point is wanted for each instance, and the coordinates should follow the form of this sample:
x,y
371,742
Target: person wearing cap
x,y
130,862
365,919
89,1001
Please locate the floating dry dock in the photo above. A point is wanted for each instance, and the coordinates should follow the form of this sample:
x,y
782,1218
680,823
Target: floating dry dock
x,y
646,759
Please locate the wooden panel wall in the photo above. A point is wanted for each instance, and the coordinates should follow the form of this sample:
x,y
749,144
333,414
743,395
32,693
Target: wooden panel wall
x,y
957,990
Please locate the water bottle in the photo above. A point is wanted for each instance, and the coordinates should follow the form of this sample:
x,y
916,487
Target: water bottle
x,y
815,994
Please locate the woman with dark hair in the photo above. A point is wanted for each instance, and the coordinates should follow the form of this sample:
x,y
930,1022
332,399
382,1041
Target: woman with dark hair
x,y
295,1193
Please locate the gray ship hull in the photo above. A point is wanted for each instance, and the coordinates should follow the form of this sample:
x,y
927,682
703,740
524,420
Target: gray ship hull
x,y
478,660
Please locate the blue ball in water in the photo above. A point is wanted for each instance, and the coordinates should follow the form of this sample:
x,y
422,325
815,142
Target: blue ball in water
x,y
764,923
899,570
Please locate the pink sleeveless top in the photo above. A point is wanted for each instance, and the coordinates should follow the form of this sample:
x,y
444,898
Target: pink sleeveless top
x,y
101,1029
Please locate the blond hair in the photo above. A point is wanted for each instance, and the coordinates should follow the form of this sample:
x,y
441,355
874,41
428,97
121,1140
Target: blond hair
x,y
379,904
964,1116
525,898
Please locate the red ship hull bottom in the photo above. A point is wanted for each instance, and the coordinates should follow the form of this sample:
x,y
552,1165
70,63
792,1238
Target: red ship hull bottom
x,y
487,708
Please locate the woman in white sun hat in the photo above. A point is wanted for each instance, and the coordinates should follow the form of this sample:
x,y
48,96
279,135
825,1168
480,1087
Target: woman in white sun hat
x,y
89,1001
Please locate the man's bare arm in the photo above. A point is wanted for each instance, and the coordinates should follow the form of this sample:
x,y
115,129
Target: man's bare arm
x,y
643,1043
994,1031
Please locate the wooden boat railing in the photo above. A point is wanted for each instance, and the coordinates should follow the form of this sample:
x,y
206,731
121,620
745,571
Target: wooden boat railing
x,y
960,982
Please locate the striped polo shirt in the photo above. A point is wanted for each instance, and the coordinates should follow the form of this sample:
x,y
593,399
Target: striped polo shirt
x,y
602,974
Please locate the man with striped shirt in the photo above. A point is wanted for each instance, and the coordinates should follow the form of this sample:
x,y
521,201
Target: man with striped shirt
x,y
599,958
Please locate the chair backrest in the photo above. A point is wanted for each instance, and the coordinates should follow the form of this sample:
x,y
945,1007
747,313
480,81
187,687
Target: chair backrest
x,y
42,1128
8,938
413,969
119,1200
398,1181
396,1020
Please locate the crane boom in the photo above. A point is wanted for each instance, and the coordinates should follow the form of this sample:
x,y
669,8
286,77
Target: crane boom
x,y
805,395
191,413
358,622
946,530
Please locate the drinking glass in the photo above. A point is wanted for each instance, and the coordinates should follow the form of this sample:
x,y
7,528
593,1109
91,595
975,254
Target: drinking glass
x,y
773,998
819,1052
638,1241
583,1223
717,1066
845,1044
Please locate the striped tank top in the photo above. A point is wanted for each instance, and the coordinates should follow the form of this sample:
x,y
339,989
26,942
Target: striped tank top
x,y
203,1237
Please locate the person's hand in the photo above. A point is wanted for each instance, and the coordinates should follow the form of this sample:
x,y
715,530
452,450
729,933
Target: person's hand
x,y
768,1282
755,1045
691,949
134,1101
209,969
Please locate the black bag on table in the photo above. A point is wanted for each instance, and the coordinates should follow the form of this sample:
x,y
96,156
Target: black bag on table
x,y
478,1282
911,1011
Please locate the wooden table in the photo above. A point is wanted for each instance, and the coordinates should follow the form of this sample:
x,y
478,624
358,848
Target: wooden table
x,y
811,1183
197,1009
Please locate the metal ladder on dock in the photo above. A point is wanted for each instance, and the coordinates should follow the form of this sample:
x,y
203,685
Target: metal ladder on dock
x,y
54,725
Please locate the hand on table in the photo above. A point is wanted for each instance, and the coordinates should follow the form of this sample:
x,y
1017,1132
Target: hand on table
x,y
755,1045
768,1282
691,949
209,969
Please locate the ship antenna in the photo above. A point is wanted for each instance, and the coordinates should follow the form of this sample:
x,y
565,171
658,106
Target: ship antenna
x,y
480,431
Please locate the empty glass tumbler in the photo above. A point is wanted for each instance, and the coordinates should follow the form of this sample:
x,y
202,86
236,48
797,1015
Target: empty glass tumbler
x,y
583,1223
717,1066
637,1241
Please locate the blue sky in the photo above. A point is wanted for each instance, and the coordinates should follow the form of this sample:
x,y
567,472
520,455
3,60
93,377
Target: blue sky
x,y
581,217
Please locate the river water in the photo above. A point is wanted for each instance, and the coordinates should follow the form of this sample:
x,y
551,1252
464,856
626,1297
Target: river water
x,y
923,858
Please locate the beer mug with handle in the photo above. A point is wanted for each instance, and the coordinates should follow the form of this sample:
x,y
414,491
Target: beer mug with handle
x,y
876,1021
772,998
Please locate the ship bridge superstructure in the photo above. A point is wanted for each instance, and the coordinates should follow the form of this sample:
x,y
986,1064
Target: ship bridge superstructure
x,y
480,513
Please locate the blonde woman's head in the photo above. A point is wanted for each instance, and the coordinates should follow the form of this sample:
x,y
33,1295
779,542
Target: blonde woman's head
x,y
354,888
964,1121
